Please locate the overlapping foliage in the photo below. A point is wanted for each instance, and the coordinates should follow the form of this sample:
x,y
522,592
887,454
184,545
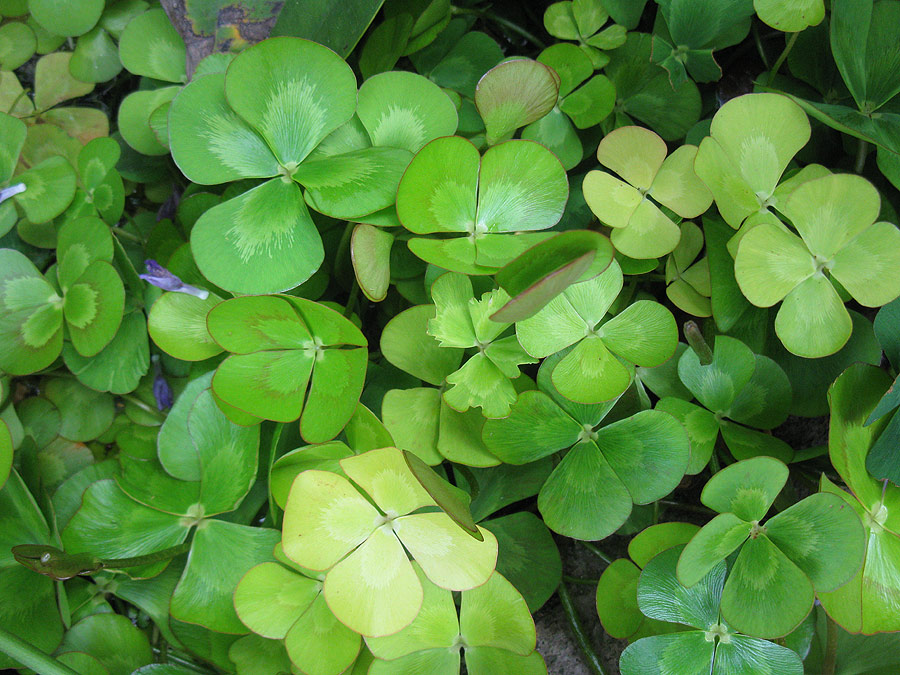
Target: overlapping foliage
x,y
311,354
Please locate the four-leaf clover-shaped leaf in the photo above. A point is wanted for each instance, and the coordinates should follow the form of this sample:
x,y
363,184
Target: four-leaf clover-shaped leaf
x,y
782,562
493,628
640,228
263,118
89,300
517,186
601,366
463,321
280,346
607,468
740,392
714,647
370,584
840,240
582,20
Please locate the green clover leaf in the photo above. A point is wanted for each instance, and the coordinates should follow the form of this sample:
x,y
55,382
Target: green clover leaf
x,y
517,186
715,646
583,21
575,500
463,321
292,123
738,390
280,344
835,217
593,371
689,34
865,603
281,601
789,557
752,139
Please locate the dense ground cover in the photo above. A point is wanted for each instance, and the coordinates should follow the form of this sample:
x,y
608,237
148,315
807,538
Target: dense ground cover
x,y
325,327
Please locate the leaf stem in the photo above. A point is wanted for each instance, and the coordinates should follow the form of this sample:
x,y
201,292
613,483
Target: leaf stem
x,y
514,27
579,580
143,406
118,231
830,646
783,56
575,624
30,656
862,151
351,299
597,552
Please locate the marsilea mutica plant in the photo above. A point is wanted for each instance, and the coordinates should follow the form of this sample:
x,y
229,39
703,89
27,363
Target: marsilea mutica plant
x,y
328,359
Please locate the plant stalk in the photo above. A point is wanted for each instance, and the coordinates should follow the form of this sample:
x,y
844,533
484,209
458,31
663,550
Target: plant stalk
x,y
575,624
862,151
830,646
783,56
597,552
514,27
30,656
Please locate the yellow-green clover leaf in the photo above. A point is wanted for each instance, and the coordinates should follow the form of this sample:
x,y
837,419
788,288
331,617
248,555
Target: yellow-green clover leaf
x,y
362,541
638,155
840,241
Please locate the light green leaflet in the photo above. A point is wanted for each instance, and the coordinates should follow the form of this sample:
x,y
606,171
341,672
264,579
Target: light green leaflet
x,y
370,584
278,346
600,367
740,392
462,321
790,17
517,186
607,469
752,139
688,283
781,562
714,647
91,304
839,238
640,228
493,625
285,111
